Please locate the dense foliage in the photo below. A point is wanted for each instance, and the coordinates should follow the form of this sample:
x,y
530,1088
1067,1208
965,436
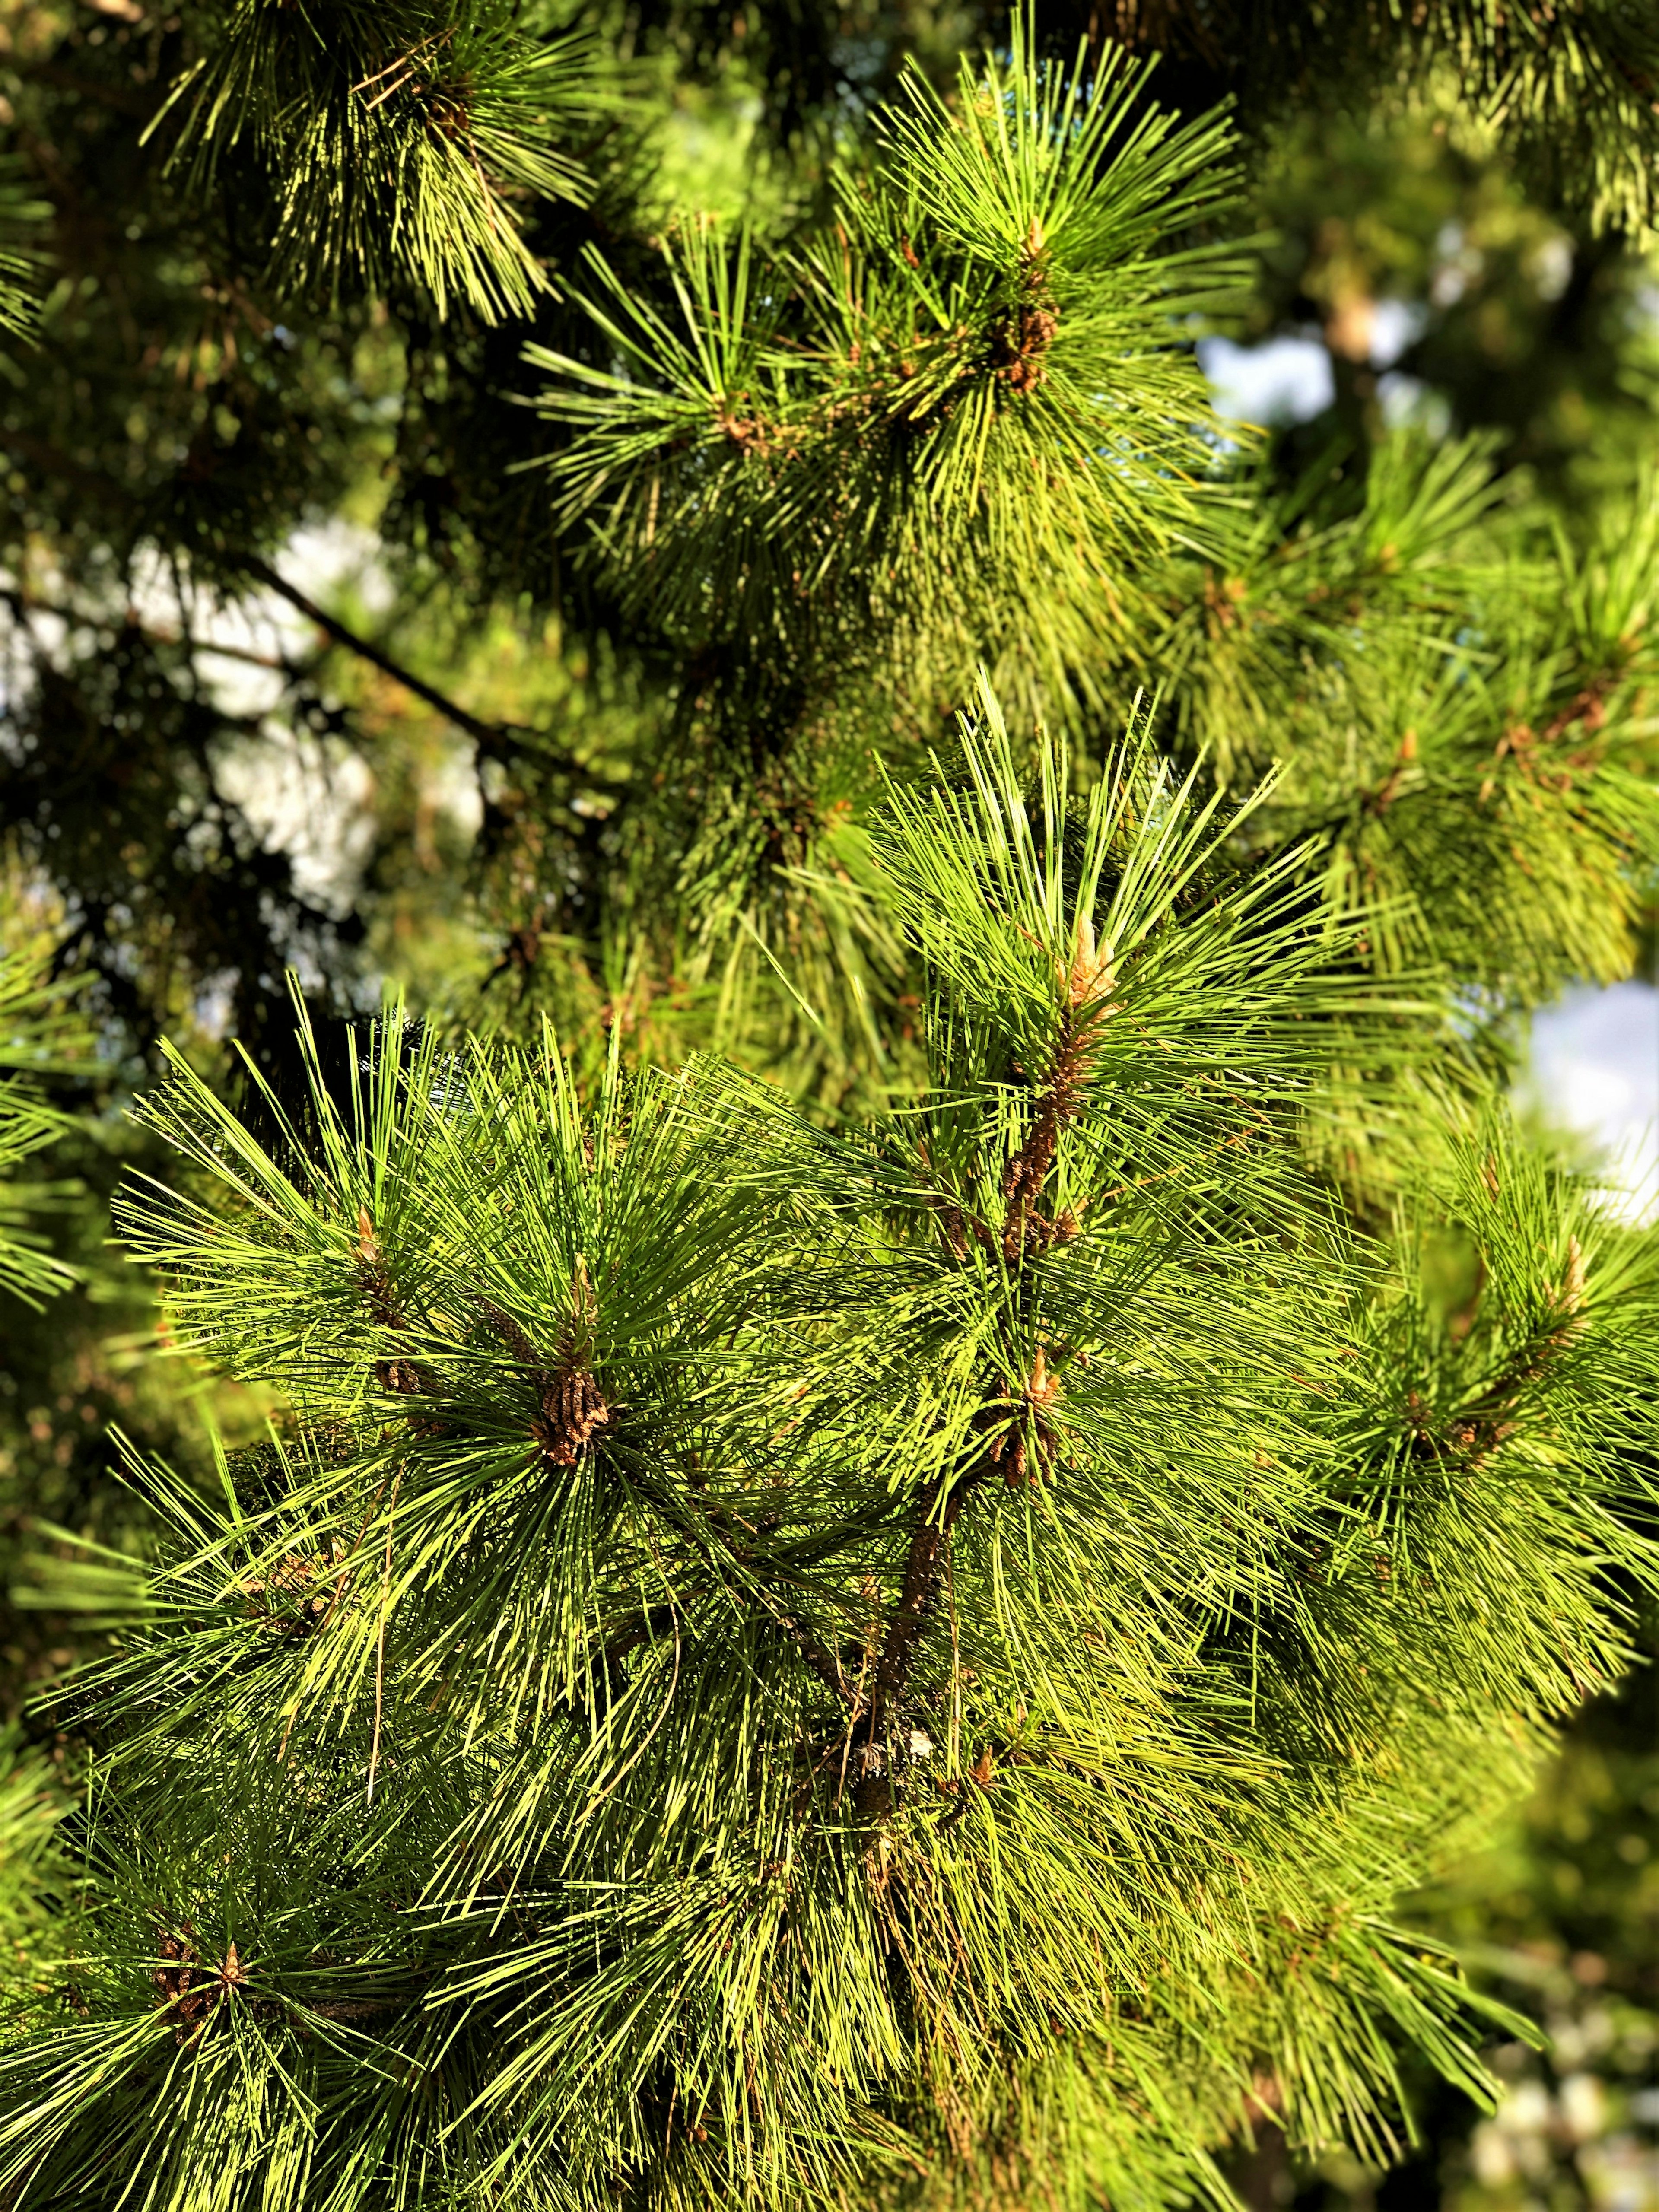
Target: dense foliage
x,y
907,1498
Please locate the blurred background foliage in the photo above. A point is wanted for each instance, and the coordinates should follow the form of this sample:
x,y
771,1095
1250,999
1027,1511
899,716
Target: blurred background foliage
x,y
1559,1917
323,689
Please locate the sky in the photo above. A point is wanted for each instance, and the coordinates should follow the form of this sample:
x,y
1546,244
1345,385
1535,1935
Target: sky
x,y
1596,1068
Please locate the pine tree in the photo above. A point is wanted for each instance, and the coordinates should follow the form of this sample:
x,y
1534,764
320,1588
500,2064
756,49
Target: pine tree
x,y
794,1667
880,1615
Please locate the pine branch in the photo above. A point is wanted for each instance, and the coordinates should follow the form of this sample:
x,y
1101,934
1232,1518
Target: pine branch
x,y
1085,984
935,1516
494,740
396,141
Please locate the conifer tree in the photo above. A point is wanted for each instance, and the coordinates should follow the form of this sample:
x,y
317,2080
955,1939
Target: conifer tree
x,y
782,1667
880,1615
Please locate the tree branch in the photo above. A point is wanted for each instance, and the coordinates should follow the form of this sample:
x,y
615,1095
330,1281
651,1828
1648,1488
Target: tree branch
x,y
486,735
921,1569
1026,1231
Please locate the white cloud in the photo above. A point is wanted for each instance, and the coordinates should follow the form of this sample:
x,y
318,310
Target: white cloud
x,y
1594,1067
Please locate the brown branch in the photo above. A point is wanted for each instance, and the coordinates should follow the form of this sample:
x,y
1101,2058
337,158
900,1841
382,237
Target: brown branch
x,y
25,602
821,1661
1084,988
645,1630
488,735
1589,708
1491,1420
270,660
920,1585
929,1541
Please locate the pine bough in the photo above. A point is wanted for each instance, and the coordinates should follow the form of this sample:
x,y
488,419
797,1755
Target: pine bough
x,y
785,1668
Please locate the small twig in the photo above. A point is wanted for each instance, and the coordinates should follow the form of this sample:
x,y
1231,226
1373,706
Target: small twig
x,y
1084,987
929,1540
489,736
474,725
486,735
270,660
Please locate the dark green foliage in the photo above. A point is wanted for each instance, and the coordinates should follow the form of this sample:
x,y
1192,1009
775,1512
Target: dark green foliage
x,y
886,1618
113,781
794,473
1566,91
38,1029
